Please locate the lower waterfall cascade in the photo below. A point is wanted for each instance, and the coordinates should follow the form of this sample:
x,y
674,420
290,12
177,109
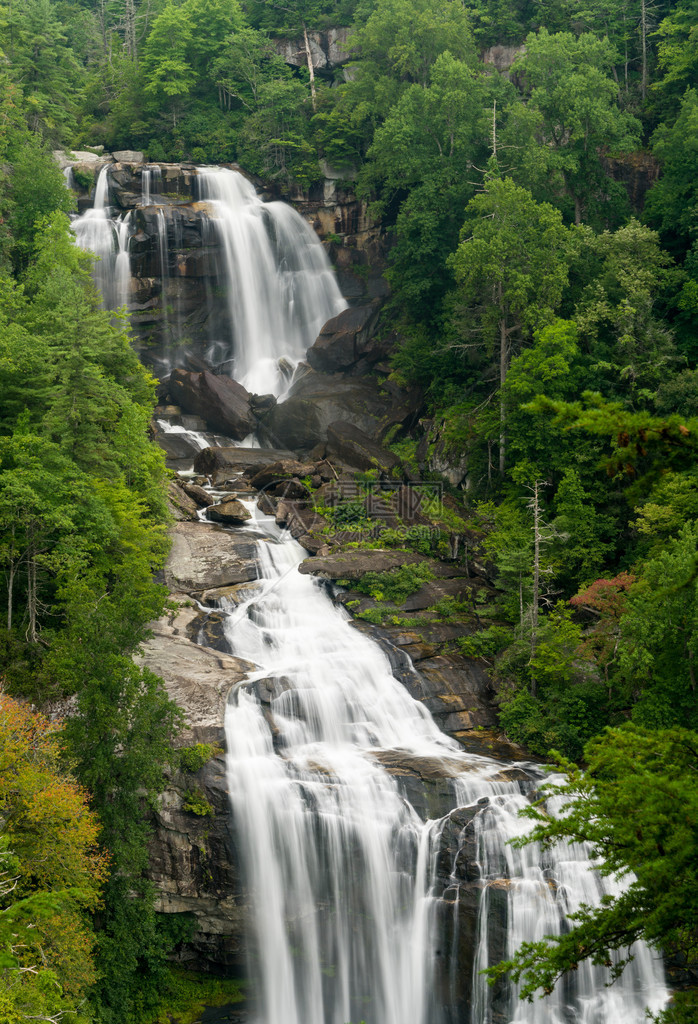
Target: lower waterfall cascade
x,y
341,866
356,899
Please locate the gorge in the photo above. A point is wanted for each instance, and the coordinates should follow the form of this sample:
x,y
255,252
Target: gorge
x,y
364,872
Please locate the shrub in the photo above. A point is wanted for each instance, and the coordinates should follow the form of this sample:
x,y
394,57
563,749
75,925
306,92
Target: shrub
x,y
196,803
396,584
192,759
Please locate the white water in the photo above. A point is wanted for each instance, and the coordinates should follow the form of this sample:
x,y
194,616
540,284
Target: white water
x,y
197,439
107,237
280,286
341,868
151,182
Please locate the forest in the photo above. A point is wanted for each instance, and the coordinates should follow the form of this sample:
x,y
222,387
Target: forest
x,y
542,226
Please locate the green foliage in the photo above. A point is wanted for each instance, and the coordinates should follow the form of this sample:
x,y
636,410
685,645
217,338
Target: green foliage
x,y
659,638
571,113
37,191
404,38
82,519
674,196
192,759
570,705
486,643
196,803
185,994
51,872
396,584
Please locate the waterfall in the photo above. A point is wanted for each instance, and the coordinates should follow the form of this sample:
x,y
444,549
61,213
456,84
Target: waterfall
x,y
151,183
279,284
345,871
107,238
275,278
164,268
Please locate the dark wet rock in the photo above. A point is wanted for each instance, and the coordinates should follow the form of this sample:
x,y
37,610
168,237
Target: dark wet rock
x,y
345,339
303,523
232,511
220,401
267,504
226,463
180,505
276,472
180,452
316,400
197,493
262,403
358,449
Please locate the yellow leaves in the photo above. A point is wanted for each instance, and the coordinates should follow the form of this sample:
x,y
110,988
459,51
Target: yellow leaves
x,y
46,814
50,834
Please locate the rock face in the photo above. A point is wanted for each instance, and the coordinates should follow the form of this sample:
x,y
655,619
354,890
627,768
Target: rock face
x,y
205,556
637,171
220,401
175,255
227,463
355,448
346,339
192,862
233,512
316,400
352,565
502,57
328,50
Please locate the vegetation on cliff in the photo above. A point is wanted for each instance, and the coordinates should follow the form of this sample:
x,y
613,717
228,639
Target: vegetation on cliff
x,y
82,528
544,273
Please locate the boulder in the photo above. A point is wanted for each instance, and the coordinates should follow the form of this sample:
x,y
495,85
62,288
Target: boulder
x,y
232,511
303,523
227,463
197,678
198,494
180,505
128,156
204,556
220,401
278,472
355,448
344,339
352,565
316,400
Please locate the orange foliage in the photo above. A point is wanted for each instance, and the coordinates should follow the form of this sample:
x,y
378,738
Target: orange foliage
x,y
607,598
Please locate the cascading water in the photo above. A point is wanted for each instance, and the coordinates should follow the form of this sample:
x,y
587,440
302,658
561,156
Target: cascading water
x,y
368,902
164,267
280,286
343,869
151,183
107,238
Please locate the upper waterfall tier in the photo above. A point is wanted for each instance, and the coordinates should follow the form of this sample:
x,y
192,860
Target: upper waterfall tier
x,y
280,287
228,282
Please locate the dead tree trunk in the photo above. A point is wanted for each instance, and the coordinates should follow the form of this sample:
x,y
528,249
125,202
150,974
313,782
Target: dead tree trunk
x,y
311,69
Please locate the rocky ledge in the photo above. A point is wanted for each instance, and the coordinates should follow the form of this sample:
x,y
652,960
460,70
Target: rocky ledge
x,y
193,861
